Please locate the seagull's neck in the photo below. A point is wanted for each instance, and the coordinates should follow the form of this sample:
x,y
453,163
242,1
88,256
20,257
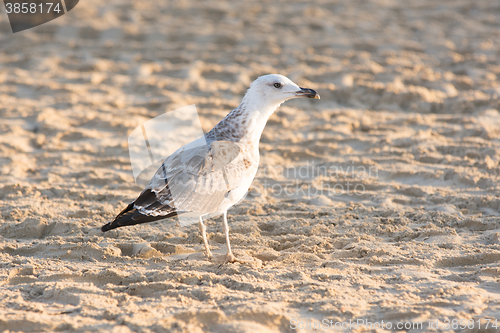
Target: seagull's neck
x,y
245,123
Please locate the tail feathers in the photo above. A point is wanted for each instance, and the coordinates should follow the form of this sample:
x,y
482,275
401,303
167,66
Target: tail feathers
x,y
131,216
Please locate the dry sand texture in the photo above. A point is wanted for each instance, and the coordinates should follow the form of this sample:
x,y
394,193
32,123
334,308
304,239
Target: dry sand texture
x,y
409,91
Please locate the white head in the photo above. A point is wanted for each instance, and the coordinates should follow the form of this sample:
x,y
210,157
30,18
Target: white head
x,y
274,89
262,98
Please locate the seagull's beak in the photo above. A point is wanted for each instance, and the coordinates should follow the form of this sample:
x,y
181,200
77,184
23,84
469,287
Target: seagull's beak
x,y
306,92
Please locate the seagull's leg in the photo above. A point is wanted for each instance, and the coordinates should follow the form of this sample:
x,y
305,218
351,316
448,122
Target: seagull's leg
x,y
229,255
203,230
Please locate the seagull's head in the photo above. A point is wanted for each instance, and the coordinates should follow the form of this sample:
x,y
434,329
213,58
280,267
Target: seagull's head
x,y
276,89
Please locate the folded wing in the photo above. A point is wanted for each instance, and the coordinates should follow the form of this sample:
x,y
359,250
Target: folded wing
x,y
195,180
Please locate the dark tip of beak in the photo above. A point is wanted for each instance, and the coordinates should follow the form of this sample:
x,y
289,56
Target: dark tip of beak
x,y
306,92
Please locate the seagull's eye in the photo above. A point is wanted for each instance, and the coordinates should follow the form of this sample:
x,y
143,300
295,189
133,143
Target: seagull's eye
x,y
277,85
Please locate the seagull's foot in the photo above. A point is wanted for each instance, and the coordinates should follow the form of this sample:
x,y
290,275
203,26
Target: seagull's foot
x,y
230,258
227,258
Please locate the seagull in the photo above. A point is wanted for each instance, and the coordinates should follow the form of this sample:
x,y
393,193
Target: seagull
x,y
210,175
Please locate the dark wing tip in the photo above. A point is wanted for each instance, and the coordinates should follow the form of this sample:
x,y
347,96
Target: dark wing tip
x,y
132,218
106,227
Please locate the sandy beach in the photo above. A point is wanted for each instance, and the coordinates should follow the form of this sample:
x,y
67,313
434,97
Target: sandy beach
x,y
378,203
